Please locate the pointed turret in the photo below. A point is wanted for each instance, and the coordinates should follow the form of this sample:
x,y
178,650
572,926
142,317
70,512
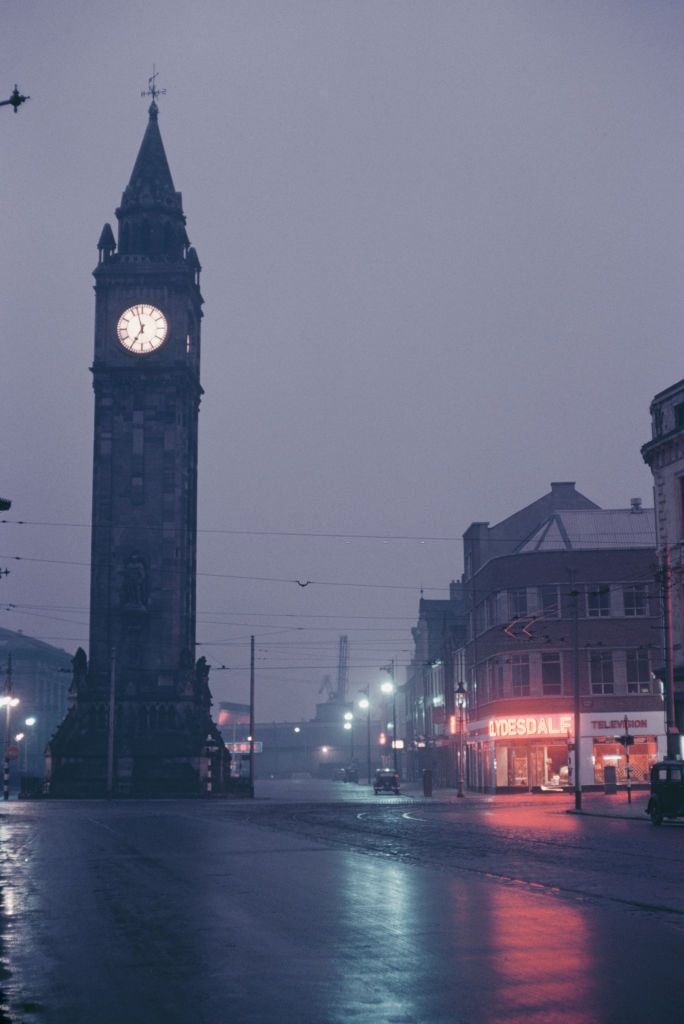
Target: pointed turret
x,y
106,243
151,220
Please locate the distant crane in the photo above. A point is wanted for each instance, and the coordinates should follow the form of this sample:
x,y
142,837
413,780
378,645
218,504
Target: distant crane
x,y
343,669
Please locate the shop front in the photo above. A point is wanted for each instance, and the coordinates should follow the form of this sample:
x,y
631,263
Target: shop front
x,y
536,752
647,733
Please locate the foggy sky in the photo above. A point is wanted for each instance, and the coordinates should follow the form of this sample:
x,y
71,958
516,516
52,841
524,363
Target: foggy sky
x,y
442,252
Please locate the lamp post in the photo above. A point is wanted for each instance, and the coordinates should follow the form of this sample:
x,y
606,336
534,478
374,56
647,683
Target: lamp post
x,y
349,726
364,704
389,689
460,704
9,703
29,723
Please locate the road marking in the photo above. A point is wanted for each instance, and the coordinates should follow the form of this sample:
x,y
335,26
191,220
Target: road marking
x,y
411,817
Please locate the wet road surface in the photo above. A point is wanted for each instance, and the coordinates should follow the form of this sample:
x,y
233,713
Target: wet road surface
x,y
319,904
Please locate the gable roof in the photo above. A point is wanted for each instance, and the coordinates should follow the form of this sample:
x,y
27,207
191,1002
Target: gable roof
x,y
592,530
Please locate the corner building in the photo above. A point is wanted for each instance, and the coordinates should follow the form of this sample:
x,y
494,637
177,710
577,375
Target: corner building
x,y
140,717
561,592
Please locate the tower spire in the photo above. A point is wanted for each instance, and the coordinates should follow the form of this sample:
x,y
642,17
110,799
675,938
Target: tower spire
x,y
151,220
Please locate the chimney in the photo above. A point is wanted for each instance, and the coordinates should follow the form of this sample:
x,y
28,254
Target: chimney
x,y
635,505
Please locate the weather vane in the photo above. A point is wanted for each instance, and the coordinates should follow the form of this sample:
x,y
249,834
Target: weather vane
x,y
16,99
152,89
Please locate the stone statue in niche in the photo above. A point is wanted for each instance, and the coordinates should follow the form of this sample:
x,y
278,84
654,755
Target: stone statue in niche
x,y
134,591
202,679
79,666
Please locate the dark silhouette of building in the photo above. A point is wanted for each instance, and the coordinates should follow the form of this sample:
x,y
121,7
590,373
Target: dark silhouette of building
x,y
146,379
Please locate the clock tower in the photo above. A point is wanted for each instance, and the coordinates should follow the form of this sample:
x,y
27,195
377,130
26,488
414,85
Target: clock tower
x,y
140,718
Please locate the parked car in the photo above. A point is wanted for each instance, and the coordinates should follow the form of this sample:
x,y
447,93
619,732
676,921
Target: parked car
x,y
667,791
386,781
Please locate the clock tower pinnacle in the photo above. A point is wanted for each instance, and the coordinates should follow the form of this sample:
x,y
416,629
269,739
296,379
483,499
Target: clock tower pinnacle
x,y
140,718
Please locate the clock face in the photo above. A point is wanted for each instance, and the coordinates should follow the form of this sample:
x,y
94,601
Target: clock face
x,y
142,329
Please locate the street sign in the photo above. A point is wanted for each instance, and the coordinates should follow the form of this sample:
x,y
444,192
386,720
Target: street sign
x,y
626,741
242,747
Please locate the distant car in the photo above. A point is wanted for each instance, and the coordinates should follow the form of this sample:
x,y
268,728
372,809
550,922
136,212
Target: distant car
x,y
667,791
351,773
386,781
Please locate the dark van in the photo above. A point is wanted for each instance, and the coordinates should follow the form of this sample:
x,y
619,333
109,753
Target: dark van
x,y
667,791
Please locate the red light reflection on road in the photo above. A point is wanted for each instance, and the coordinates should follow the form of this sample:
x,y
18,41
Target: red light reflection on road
x,y
543,964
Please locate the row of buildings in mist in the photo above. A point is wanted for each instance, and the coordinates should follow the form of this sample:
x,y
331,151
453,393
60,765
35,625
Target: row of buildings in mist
x,y
562,607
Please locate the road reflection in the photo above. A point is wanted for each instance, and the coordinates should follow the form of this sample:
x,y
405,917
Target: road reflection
x,y
412,946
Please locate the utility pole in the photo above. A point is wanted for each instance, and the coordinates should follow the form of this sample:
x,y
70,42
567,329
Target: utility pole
x,y
8,705
251,716
110,731
574,594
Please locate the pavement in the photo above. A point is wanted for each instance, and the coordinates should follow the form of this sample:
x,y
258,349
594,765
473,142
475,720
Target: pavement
x,y
594,804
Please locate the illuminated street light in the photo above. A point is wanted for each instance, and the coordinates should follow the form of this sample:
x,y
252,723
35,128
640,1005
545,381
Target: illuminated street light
x,y
8,703
349,727
460,704
364,704
388,687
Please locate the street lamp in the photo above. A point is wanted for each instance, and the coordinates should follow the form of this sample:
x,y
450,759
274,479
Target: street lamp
x,y
460,704
29,723
9,703
349,726
364,704
389,689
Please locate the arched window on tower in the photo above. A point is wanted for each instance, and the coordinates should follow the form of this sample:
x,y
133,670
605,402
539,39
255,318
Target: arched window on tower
x,y
145,236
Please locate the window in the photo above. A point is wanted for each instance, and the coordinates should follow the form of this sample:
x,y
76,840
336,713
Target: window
x,y
636,599
551,675
517,602
638,671
679,415
496,679
601,672
598,601
548,602
520,675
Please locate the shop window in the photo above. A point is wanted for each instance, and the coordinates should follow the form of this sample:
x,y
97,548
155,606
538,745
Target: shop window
x,y
601,672
598,602
636,599
548,602
638,671
520,675
551,675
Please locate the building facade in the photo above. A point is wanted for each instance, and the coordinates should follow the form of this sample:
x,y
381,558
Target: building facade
x,y
429,691
140,719
561,599
664,454
38,675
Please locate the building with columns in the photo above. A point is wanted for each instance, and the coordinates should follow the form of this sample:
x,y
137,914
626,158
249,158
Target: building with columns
x,y
664,455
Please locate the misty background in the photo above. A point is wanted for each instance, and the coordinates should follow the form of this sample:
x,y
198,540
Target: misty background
x,y
442,259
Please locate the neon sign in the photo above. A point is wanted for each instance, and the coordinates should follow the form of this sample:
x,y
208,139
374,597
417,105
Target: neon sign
x,y
531,725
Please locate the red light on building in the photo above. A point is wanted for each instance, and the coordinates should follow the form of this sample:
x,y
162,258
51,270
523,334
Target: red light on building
x,y
452,725
382,739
